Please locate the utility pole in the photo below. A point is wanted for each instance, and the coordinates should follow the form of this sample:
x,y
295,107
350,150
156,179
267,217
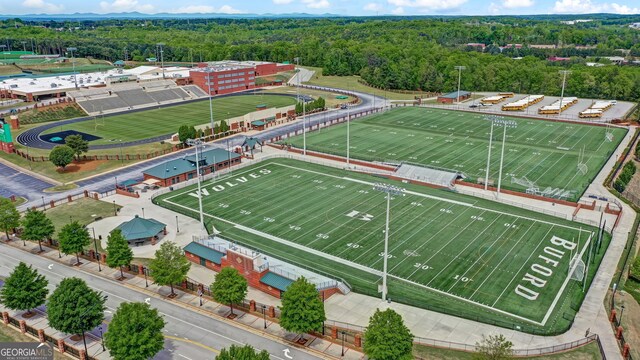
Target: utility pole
x,y
161,57
209,79
73,64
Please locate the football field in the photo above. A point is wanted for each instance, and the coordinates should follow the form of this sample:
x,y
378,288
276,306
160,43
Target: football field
x,y
156,122
542,155
449,249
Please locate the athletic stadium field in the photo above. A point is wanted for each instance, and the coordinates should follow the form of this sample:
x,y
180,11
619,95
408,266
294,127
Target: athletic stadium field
x,y
447,252
543,152
151,123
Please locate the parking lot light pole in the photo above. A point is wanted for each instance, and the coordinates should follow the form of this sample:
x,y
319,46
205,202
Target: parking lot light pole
x,y
264,315
459,68
505,124
564,79
389,190
95,246
198,143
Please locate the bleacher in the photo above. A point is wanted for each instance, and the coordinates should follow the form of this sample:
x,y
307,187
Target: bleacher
x,y
427,175
133,95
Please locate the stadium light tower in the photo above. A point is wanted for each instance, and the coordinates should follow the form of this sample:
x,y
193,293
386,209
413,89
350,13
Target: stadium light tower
x,y
73,65
161,57
197,143
389,190
564,79
304,104
209,79
506,124
459,68
493,119
348,134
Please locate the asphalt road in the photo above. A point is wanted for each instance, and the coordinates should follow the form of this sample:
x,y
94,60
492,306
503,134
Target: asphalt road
x,y
190,336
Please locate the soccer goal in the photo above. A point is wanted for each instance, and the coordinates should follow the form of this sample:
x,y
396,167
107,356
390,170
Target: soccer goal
x,y
98,121
608,135
582,166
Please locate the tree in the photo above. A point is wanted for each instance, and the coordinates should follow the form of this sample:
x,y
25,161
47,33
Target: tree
x,y
170,266
494,347
24,289
61,156
119,253
135,332
387,338
74,308
224,127
229,287
186,132
302,309
242,353
9,216
37,226
77,144
73,238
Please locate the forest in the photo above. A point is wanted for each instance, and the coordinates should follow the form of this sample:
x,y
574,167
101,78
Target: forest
x,y
417,53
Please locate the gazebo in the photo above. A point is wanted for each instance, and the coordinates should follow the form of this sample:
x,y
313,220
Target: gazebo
x,y
139,230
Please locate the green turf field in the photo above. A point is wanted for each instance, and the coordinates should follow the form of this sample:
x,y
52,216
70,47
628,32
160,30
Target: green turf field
x,y
156,122
543,152
447,251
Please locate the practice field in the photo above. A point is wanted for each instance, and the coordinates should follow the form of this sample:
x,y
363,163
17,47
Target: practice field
x,y
540,155
449,252
166,120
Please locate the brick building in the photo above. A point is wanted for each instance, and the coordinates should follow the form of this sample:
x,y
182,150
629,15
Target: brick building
x,y
183,169
453,97
224,77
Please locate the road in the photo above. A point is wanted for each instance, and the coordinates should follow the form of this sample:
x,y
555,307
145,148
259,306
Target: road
x,y
189,334
32,188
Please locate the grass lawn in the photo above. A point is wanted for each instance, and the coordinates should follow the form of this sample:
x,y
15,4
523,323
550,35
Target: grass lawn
x,y
329,97
351,83
541,152
84,210
587,352
167,120
10,334
448,252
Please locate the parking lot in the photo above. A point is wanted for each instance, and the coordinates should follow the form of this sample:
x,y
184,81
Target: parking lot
x,y
617,111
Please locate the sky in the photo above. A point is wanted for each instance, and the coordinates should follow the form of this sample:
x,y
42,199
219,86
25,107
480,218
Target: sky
x,y
339,7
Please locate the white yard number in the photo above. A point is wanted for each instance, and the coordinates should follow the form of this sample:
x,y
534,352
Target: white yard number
x,y
415,203
317,181
389,256
353,246
513,226
422,266
296,176
462,278
322,236
222,205
446,211
363,191
294,227
245,212
339,186
268,219
478,218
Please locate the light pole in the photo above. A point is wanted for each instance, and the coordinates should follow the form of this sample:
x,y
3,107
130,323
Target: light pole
x,y
343,334
564,78
264,315
177,225
505,124
389,190
44,207
209,79
115,210
459,68
24,46
161,57
73,64
621,312
143,213
95,246
101,338
493,119
197,143
348,136
304,126
146,282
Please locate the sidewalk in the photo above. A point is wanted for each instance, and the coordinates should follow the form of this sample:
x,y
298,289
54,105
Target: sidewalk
x,y
249,321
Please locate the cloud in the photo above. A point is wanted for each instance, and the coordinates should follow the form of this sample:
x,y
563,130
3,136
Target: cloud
x,y
42,5
494,9
373,7
512,4
125,5
226,9
205,9
586,6
282,2
427,5
317,4
398,11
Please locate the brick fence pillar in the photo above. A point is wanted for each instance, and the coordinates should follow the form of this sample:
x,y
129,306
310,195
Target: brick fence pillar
x,y
23,326
625,350
252,305
69,198
334,332
61,346
104,257
272,312
83,355
358,340
619,332
5,318
140,269
612,316
52,203
41,335
86,193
